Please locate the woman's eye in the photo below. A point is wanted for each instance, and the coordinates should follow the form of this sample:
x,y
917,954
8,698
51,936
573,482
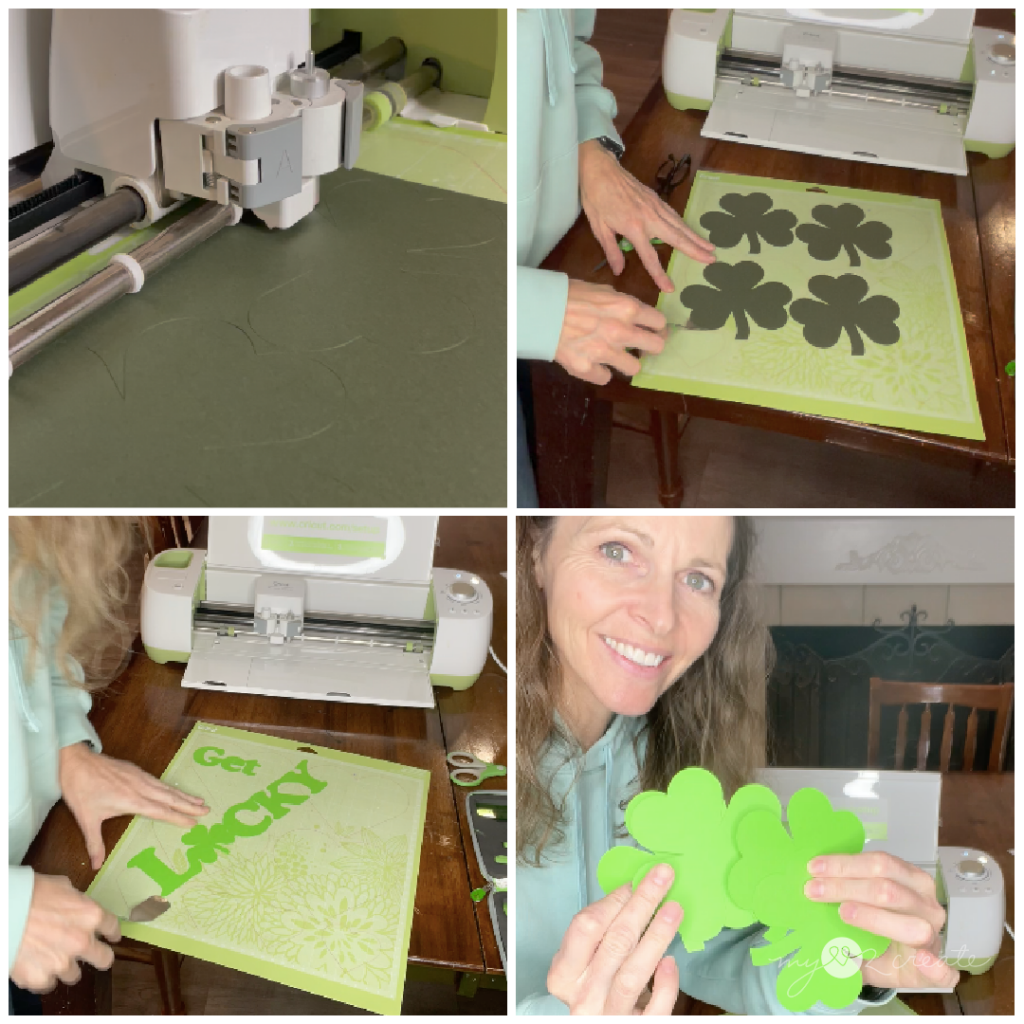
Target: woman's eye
x,y
616,552
698,581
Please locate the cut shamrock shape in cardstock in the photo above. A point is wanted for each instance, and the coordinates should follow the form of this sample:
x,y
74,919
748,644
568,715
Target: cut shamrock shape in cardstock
x,y
844,228
737,293
843,307
751,217
768,881
691,828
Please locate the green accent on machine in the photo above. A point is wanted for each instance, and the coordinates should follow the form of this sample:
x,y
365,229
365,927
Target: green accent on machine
x,y
173,558
323,545
455,682
430,612
967,71
993,150
972,966
161,657
687,102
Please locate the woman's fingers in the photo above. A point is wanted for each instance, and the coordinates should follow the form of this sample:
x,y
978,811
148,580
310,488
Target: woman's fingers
x,y
649,258
649,317
157,811
610,244
624,933
884,893
936,970
909,929
664,990
873,865
635,974
582,939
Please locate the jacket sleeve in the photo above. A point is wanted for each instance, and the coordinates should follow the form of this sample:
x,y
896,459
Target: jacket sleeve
x,y
543,1003
541,296
723,975
70,710
595,105
21,881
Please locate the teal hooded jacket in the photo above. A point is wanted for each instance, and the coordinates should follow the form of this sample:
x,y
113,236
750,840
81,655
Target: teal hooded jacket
x,y
561,103
45,714
547,898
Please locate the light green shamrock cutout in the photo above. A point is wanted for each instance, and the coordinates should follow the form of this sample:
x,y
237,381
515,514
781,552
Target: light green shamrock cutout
x,y
768,881
690,828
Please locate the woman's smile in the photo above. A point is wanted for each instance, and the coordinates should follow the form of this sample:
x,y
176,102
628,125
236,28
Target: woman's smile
x,y
634,655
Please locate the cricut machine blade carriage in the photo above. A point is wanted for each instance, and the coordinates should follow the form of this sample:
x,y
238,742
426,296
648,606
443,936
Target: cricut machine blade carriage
x,y
909,88
345,608
224,105
900,813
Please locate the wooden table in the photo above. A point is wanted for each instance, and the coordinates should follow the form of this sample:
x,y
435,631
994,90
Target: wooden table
x,y
573,419
146,714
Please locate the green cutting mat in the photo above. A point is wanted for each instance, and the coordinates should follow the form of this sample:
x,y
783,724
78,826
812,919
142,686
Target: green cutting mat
x,y
831,301
459,160
356,359
308,883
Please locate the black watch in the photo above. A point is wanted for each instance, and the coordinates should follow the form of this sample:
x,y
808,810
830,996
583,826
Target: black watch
x,y
872,994
611,145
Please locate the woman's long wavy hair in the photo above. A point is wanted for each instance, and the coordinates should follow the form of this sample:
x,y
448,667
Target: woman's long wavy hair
x,y
713,716
95,563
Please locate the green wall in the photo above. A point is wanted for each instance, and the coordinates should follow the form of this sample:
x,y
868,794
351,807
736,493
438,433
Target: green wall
x,y
465,41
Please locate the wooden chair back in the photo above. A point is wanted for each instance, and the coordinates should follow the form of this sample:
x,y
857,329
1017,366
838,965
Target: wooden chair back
x,y
889,693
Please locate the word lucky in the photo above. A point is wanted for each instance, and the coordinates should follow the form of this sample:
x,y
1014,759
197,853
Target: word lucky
x,y
203,844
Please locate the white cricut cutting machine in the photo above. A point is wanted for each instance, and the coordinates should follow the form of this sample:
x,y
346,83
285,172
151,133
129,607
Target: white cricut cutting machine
x,y
900,812
910,88
345,608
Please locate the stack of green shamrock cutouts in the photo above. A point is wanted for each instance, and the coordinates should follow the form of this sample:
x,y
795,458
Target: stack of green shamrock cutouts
x,y
736,864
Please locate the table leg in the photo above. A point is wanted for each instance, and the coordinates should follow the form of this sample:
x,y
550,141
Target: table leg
x,y
666,430
573,430
168,978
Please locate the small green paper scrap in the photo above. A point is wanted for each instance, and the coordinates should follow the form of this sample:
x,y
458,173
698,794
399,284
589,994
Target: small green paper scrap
x,y
736,864
690,828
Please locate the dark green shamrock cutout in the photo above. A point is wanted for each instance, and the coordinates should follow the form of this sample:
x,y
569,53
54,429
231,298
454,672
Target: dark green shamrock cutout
x,y
843,307
840,227
768,880
736,293
751,216
690,828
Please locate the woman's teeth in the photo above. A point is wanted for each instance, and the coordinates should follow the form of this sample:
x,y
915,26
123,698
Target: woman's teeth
x,y
644,658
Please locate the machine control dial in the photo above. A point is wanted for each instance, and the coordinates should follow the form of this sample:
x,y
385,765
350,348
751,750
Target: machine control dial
x,y
1003,53
463,592
971,870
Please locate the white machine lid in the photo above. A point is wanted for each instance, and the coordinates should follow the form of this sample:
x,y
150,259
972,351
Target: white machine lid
x,y
900,810
836,126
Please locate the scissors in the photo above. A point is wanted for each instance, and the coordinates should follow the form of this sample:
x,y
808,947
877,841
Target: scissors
x,y
470,770
669,176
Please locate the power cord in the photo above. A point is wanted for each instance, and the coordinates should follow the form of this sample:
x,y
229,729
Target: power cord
x,y
498,660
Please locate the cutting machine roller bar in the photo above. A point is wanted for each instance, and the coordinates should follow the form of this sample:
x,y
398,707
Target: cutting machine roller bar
x,y
907,90
345,629
29,336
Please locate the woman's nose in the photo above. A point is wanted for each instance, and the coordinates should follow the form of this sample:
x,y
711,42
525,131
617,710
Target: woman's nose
x,y
655,604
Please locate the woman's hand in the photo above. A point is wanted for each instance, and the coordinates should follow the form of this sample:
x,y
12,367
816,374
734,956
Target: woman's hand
x,y
887,896
96,788
613,947
62,928
600,325
617,204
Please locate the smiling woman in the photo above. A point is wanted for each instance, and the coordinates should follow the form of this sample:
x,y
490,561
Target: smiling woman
x,y
640,653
